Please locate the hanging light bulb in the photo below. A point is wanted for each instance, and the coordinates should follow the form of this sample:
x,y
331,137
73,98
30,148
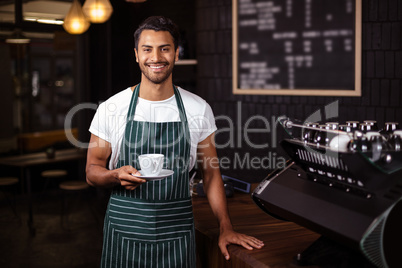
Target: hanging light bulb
x,y
97,11
75,22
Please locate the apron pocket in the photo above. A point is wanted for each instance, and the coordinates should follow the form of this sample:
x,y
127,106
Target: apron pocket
x,y
173,252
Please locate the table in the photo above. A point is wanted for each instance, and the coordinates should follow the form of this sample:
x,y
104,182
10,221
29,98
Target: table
x,y
283,240
26,161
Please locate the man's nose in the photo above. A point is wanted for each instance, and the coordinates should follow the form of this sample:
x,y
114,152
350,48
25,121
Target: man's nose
x,y
155,55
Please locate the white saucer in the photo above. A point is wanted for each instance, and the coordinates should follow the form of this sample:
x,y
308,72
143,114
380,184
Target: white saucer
x,y
163,174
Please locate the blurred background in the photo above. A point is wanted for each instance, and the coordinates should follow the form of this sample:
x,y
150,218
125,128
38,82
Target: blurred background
x,y
43,78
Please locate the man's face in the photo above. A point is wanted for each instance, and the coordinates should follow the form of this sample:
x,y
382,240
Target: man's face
x,y
156,55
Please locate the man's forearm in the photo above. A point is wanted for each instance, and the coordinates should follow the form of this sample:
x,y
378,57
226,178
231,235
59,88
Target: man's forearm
x,y
217,200
99,176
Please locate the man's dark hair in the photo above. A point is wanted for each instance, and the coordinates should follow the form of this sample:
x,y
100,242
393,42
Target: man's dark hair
x,y
158,23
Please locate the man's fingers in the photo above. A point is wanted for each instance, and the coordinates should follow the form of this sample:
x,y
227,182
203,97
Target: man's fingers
x,y
248,242
254,242
136,174
129,174
131,179
225,252
128,179
246,245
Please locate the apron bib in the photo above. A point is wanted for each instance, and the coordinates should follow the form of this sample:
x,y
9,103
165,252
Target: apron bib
x,y
153,225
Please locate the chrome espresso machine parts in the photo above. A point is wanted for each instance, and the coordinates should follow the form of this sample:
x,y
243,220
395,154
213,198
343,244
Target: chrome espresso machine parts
x,y
344,182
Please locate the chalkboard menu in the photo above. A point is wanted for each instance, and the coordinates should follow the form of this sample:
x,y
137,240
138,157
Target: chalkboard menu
x,y
297,47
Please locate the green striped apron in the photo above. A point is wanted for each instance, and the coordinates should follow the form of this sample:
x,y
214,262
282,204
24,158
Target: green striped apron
x,y
153,225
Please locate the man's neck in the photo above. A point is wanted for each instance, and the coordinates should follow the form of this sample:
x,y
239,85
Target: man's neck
x,y
156,92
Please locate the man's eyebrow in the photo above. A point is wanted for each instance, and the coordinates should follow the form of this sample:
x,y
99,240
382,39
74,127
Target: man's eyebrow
x,y
164,45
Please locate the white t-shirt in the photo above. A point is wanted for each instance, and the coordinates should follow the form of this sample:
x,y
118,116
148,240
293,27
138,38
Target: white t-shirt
x,y
110,118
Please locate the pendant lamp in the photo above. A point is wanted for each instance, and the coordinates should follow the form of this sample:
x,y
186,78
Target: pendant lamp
x,y
18,38
97,11
75,22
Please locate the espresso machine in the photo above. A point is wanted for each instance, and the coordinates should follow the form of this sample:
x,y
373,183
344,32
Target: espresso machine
x,y
343,182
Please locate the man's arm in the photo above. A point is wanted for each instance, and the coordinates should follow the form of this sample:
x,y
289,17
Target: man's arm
x,y
214,189
99,176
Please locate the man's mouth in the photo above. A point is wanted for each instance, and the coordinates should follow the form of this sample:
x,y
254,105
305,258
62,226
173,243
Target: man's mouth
x,y
156,66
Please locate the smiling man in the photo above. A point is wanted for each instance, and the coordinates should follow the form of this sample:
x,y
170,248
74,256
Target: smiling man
x,y
155,57
149,223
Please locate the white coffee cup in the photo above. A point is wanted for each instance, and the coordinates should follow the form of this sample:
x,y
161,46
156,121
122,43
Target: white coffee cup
x,y
340,143
151,164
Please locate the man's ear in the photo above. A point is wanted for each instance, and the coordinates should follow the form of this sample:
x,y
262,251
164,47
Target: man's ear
x,y
136,54
177,54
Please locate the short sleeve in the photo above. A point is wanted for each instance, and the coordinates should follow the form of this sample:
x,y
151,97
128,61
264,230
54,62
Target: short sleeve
x,y
202,124
98,124
208,125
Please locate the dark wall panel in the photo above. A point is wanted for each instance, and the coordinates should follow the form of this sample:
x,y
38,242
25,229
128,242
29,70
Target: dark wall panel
x,y
381,98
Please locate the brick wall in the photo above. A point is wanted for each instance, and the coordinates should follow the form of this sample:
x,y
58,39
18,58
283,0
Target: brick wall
x,y
381,98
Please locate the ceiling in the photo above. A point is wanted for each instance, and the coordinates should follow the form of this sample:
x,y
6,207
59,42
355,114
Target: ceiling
x,y
38,17
42,10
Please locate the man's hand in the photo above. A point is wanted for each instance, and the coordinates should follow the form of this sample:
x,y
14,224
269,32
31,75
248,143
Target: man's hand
x,y
127,176
228,237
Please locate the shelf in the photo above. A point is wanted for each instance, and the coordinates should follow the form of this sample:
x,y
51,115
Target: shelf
x,y
187,62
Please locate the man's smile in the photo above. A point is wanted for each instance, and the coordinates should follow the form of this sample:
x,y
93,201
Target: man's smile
x,y
158,66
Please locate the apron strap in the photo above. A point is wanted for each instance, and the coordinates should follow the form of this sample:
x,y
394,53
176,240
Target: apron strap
x,y
134,100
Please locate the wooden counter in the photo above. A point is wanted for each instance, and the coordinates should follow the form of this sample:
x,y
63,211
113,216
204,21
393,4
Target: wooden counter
x,y
283,240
